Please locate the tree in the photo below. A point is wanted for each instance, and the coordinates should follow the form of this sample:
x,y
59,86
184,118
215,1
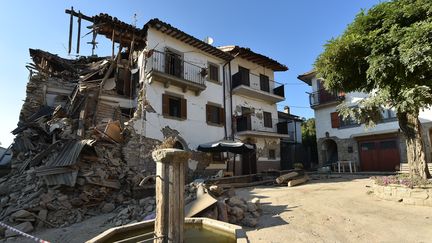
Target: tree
x,y
387,53
309,138
309,133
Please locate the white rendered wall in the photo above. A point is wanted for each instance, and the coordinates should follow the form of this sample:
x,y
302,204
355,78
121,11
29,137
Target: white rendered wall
x,y
194,130
323,119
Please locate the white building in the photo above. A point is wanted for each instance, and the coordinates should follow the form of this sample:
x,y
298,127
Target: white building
x,y
201,94
380,148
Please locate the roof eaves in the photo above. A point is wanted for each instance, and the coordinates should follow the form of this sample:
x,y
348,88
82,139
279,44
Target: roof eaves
x,y
186,38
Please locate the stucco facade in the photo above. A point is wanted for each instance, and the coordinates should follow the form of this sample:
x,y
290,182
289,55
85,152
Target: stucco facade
x,y
348,136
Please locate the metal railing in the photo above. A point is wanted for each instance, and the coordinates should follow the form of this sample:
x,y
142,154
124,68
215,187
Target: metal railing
x,y
258,83
174,65
323,96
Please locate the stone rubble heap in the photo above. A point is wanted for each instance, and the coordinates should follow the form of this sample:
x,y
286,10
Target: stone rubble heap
x,y
229,207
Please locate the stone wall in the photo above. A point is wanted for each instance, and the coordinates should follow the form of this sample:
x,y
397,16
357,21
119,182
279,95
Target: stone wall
x,y
405,195
342,148
137,152
344,153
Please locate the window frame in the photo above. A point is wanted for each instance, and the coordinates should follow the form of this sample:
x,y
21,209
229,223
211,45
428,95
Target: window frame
x,y
270,155
166,106
267,119
209,113
210,64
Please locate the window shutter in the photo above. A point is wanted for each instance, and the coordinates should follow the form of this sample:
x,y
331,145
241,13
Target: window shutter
x,y
221,116
183,109
335,119
208,113
165,104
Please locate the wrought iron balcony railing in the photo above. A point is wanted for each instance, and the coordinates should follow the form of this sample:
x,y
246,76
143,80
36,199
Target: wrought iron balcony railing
x,y
323,96
174,65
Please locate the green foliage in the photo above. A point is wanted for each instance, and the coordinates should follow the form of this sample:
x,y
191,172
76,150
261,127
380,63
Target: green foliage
x,y
386,52
308,132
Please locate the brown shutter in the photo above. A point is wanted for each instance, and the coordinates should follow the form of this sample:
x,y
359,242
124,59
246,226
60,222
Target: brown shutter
x,y
334,119
221,116
165,104
208,113
183,109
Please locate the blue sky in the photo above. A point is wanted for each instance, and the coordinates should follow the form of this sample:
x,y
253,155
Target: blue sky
x,y
292,32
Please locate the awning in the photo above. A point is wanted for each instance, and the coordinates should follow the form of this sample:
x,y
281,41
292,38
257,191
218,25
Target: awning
x,y
226,146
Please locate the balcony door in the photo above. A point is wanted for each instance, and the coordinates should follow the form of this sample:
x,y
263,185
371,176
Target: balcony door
x,y
173,64
244,75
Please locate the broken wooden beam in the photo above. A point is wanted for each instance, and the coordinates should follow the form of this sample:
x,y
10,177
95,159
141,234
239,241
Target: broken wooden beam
x,y
284,178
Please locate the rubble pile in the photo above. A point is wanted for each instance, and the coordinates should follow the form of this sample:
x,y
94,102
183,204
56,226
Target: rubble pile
x,y
228,207
68,161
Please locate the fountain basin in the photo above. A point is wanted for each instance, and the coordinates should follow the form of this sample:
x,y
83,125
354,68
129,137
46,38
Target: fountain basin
x,y
196,230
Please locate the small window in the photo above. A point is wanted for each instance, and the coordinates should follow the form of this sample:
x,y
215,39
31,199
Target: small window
x,y
390,144
272,154
267,119
213,72
173,106
215,114
264,83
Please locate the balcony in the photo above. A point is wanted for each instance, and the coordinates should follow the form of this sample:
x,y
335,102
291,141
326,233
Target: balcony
x,y
251,85
323,97
283,128
171,69
246,126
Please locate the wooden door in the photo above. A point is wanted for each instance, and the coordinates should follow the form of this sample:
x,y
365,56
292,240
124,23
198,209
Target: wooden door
x,y
379,155
249,163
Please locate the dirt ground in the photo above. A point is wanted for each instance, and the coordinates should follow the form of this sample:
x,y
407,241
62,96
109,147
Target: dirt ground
x,y
329,210
336,210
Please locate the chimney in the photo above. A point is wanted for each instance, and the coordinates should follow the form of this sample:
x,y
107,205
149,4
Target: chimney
x,y
286,109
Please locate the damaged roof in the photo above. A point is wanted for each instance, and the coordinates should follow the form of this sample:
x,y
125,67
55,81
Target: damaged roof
x,y
254,57
125,34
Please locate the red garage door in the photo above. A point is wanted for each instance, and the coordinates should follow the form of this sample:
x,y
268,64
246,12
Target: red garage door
x,y
379,155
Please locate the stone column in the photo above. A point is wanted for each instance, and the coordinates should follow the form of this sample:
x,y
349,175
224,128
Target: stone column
x,y
170,164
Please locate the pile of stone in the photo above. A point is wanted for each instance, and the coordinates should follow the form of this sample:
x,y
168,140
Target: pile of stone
x,y
131,211
71,155
228,207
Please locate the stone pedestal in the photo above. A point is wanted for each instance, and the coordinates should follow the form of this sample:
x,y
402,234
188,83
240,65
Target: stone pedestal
x,y
170,172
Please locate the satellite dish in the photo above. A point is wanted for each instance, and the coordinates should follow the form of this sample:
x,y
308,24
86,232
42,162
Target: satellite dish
x,y
208,40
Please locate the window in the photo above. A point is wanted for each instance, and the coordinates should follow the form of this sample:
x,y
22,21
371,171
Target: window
x,y
272,154
173,64
213,72
173,106
267,119
244,75
339,122
347,122
215,114
388,114
264,83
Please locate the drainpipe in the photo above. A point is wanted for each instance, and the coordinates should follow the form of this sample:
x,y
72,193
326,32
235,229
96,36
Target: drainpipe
x,y
224,98
231,103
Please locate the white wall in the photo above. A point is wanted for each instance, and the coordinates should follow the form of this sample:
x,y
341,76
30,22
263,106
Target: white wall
x,y
258,105
323,119
194,129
